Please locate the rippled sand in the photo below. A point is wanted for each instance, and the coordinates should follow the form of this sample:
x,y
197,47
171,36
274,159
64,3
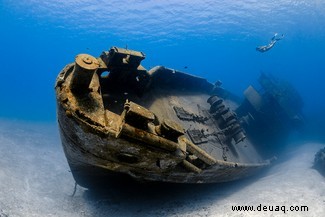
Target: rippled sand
x,y
35,181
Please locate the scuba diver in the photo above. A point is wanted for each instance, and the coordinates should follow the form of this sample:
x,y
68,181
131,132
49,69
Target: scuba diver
x,y
274,39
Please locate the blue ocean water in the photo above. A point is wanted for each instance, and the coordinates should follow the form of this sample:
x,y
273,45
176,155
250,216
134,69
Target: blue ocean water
x,y
212,39
215,39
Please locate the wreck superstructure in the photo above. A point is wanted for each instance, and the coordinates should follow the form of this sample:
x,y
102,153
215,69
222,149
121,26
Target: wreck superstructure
x,y
116,117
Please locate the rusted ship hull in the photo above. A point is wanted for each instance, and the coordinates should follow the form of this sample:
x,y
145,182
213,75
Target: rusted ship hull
x,y
88,168
157,125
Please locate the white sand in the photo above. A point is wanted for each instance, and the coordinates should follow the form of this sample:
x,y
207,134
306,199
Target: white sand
x,y
35,181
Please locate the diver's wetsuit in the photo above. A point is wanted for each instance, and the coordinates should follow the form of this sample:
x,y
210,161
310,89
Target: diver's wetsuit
x,y
270,45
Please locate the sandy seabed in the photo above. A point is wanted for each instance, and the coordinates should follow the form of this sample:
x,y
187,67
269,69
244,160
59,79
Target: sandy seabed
x,y
35,181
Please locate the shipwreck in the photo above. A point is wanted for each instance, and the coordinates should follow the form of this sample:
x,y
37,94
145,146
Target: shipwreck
x,y
115,117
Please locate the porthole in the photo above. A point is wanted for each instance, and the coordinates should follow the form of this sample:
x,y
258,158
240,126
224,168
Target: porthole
x,y
104,74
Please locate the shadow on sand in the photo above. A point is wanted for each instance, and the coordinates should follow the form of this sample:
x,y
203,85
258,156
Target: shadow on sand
x,y
125,197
